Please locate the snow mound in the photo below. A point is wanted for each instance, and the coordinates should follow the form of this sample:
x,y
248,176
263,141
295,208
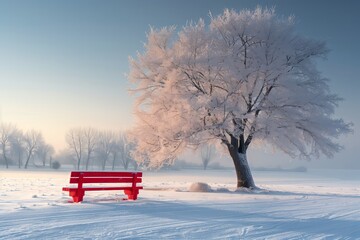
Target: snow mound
x,y
200,187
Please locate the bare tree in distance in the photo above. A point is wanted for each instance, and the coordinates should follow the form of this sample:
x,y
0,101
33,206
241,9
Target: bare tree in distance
x,y
207,153
17,146
6,133
104,146
247,78
115,151
126,146
90,141
32,140
76,144
14,143
135,165
44,152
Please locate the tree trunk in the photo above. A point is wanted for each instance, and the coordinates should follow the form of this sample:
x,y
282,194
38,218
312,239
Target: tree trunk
x,y
205,164
113,162
4,155
27,161
19,159
243,173
126,163
104,163
78,163
6,161
87,163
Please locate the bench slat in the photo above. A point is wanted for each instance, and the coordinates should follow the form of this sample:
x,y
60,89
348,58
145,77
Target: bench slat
x,y
104,180
105,174
100,188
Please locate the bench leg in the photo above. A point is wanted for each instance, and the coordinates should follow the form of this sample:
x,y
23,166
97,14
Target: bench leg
x,y
77,195
132,195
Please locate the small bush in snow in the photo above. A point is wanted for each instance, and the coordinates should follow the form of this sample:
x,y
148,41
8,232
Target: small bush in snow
x,y
56,165
200,187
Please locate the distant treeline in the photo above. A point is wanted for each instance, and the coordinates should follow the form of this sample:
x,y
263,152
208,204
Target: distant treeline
x,y
87,148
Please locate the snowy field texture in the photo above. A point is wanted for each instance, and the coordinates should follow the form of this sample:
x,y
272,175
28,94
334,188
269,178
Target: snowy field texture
x,y
309,205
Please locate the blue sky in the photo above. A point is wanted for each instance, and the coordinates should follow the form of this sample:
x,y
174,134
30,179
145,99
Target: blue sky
x,y
63,64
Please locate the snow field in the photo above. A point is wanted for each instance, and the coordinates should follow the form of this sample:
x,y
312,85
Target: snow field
x,y
312,205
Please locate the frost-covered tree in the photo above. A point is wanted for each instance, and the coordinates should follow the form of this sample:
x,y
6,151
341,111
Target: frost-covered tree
x,y
246,78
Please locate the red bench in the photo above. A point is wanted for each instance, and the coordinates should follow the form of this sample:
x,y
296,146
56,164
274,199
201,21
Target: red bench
x,y
99,181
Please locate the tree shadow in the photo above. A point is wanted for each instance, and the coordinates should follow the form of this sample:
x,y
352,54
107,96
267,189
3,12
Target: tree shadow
x,y
261,191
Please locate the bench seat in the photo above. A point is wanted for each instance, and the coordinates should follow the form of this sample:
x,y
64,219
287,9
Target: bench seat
x,y
98,188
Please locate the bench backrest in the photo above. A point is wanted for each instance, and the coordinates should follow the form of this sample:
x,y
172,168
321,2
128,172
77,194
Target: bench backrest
x,y
80,177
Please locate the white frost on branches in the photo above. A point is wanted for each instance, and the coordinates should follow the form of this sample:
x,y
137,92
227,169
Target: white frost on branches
x,y
246,74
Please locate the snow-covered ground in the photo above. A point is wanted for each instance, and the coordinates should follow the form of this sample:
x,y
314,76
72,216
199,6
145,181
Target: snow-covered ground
x,y
311,205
